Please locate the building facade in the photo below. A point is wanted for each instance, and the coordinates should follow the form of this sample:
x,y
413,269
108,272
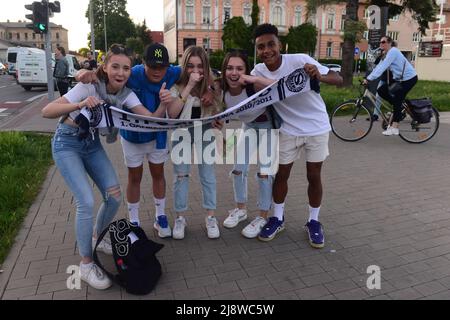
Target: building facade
x,y
200,22
17,34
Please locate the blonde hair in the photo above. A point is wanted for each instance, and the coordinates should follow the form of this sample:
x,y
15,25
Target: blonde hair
x,y
194,51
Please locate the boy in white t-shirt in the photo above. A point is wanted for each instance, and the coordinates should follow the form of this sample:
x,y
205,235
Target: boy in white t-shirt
x,y
305,126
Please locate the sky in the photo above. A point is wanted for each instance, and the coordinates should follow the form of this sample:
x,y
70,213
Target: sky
x,y
72,16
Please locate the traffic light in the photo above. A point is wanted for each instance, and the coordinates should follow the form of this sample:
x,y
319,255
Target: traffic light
x,y
39,18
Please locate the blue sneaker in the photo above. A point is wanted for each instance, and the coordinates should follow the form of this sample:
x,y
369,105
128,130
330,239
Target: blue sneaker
x,y
162,226
315,233
270,230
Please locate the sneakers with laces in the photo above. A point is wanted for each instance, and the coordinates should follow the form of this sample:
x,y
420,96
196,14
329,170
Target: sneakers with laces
x,y
235,216
162,226
212,228
94,276
315,234
104,246
391,131
178,228
253,229
271,229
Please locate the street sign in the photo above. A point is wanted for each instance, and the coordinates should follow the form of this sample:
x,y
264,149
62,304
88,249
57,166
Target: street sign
x,y
375,36
374,17
356,51
430,49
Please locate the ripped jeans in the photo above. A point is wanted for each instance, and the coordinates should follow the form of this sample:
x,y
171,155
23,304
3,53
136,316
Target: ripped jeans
x,y
240,172
76,160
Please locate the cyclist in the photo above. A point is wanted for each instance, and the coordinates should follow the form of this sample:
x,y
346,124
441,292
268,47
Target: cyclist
x,y
404,76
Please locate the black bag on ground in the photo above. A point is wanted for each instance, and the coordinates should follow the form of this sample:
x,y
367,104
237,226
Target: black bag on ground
x,y
422,109
138,268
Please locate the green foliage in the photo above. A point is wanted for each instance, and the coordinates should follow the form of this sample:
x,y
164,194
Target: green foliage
x,y
236,34
83,52
24,162
354,30
302,39
144,34
135,44
119,25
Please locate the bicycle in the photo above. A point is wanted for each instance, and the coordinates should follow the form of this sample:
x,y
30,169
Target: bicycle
x,y
352,120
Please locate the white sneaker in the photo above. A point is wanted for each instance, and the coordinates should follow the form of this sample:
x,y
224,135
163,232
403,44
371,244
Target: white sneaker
x,y
212,228
391,131
162,226
178,228
104,246
253,229
235,216
94,276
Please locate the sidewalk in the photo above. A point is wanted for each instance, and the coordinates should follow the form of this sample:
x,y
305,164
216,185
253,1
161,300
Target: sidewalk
x,y
386,203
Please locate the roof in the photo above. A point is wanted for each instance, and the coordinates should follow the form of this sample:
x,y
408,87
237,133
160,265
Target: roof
x,y
24,25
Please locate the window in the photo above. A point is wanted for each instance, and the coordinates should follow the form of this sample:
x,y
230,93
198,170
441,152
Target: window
x,y
277,16
205,44
206,14
57,35
343,20
329,49
26,36
18,36
330,20
366,35
34,36
247,13
417,37
363,55
190,13
393,35
297,16
262,16
366,14
2,35
226,12
340,50
10,36
42,46
187,42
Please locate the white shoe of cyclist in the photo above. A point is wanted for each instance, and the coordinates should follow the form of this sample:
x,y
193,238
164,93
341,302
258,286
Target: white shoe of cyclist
x,y
391,131
212,228
178,228
235,216
94,276
253,229
104,246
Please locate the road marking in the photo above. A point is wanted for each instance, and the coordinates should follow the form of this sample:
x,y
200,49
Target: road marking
x,y
36,97
3,114
1,110
12,102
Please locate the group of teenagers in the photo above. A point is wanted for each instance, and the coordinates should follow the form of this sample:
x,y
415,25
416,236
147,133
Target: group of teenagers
x,y
189,91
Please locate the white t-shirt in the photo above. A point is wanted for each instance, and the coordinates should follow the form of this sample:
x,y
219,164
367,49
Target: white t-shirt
x,y
232,101
82,91
305,114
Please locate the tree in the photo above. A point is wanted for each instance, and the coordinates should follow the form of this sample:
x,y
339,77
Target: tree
x,y
144,33
302,39
119,25
255,16
424,11
83,52
236,34
135,44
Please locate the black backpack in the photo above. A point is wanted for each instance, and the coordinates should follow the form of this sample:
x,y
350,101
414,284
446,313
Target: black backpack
x,y
138,268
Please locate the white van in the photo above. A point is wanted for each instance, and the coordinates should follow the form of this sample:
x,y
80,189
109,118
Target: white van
x,y
32,71
11,58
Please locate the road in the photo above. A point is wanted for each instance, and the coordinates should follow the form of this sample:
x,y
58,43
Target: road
x,y
13,98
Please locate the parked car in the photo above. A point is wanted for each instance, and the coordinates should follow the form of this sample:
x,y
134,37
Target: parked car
x,y
333,67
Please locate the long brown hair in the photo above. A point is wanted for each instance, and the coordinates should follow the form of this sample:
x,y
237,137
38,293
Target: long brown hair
x,y
233,54
115,49
194,51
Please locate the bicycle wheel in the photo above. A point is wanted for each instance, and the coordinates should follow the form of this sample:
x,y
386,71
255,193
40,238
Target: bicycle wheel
x,y
349,121
413,132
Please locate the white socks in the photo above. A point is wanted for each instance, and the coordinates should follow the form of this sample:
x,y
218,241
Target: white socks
x,y
278,211
160,206
313,213
133,212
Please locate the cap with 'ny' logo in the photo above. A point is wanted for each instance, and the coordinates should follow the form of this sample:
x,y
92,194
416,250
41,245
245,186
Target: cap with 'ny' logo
x,y
157,55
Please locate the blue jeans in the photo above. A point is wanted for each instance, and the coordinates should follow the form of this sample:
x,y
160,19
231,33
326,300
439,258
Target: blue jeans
x,y
206,172
240,180
76,160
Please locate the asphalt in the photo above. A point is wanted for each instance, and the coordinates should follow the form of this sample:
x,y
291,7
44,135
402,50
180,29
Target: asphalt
x,y
385,204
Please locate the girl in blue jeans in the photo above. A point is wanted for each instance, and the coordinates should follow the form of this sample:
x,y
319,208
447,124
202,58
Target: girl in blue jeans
x,y
238,85
78,159
193,84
